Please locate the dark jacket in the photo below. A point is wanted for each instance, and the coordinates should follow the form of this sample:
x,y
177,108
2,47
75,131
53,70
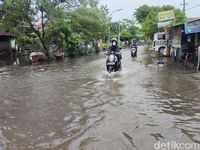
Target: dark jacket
x,y
114,48
116,51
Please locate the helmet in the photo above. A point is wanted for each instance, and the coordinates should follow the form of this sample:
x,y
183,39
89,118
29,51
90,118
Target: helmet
x,y
114,39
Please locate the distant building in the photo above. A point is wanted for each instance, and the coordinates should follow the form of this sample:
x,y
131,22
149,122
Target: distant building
x,y
7,43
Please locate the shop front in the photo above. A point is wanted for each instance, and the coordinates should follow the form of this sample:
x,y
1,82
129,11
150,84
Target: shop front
x,y
192,33
174,36
177,36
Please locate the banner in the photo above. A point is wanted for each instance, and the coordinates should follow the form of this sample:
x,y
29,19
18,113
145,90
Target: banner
x,y
192,27
177,34
166,23
166,15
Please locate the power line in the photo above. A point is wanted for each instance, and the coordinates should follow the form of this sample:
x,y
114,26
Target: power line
x,y
193,7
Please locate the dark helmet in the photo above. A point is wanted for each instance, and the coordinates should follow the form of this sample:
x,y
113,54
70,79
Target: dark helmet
x,y
114,39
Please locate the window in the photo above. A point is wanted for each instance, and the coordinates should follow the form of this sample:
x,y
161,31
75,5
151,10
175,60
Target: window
x,y
161,36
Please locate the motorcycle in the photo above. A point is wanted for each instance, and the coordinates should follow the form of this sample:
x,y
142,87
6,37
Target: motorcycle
x,y
133,52
113,63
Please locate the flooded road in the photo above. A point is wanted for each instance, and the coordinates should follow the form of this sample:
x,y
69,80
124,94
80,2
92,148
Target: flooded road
x,y
76,105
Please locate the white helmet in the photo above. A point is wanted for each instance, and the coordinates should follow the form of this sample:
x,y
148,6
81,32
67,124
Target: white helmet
x,y
114,39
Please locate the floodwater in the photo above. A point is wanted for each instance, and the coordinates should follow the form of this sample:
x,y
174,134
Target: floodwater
x,y
77,105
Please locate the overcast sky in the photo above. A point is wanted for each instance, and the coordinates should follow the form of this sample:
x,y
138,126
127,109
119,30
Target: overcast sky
x,y
129,6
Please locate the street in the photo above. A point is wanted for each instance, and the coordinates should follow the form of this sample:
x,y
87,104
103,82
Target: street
x,y
76,104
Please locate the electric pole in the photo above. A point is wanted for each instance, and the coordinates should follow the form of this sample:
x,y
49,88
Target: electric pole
x,y
184,4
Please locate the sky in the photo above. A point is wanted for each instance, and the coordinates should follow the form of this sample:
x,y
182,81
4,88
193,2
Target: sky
x,y
128,7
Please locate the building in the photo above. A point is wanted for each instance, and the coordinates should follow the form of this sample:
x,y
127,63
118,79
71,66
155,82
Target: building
x,y
7,43
179,34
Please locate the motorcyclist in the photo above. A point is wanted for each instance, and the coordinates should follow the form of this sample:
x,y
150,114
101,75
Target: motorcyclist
x,y
134,45
114,47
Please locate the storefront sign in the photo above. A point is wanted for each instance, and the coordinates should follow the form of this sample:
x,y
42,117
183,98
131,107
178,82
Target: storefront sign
x,y
192,27
166,15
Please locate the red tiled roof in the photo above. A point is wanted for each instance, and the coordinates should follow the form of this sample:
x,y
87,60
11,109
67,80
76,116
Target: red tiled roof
x,y
193,19
2,33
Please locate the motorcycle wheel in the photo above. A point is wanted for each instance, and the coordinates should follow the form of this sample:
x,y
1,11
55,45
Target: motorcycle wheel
x,y
110,69
132,54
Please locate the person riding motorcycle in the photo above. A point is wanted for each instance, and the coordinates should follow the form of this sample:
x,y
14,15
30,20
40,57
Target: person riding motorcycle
x,y
134,45
114,47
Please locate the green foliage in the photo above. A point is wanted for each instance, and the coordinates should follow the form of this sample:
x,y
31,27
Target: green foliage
x,y
90,24
114,29
29,42
150,25
74,42
128,29
58,34
142,13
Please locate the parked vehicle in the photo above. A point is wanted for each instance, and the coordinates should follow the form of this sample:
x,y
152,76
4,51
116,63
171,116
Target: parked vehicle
x,y
160,43
36,57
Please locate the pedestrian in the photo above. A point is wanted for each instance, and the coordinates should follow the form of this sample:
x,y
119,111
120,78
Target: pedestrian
x,y
188,50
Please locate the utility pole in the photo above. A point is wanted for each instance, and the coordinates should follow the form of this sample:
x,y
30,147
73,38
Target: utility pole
x,y
184,4
119,35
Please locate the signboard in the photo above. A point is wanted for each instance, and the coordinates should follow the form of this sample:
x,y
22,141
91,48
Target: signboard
x,y
166,15
192,27
166,23
139,35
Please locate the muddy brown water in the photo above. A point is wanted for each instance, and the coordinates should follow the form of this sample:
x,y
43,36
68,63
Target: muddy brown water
x,y
76,104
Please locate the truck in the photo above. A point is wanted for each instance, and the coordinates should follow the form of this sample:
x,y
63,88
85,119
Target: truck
x,y
160,43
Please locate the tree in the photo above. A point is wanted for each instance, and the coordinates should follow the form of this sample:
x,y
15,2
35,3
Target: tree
x,y
150,24
114,29
142,12
90,24
128,29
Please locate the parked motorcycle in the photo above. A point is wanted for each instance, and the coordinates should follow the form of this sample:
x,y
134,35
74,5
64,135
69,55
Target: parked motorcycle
x,y
113,62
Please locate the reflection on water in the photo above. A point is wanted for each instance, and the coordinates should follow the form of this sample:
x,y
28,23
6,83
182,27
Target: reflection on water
x,y
8,60
76,104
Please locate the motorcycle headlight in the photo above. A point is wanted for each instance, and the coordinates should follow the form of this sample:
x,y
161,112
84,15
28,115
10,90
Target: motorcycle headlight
x,y
111,58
